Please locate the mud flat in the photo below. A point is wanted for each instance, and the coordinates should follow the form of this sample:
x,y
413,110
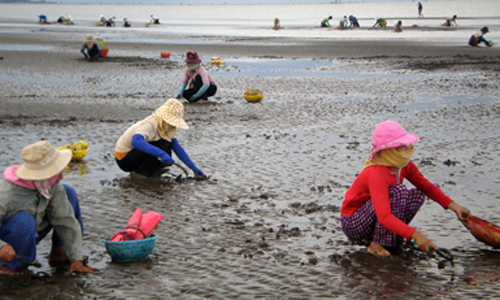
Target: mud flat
x,y
266,224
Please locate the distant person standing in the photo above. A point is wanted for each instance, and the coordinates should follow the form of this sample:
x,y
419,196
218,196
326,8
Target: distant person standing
x,y
420,7
326,22
277,24
450,21
353,21
478,38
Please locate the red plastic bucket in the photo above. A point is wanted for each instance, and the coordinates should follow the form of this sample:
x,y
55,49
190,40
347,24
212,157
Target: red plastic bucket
x,y
484,231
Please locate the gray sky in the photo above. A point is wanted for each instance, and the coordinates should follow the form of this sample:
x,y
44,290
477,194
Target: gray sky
x,y
218,2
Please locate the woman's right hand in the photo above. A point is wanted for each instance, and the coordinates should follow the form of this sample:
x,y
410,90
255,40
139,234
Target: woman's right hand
x,y
7,253
423,242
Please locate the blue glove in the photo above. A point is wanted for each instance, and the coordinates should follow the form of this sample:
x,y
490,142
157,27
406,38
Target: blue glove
x,y
85,54
139,143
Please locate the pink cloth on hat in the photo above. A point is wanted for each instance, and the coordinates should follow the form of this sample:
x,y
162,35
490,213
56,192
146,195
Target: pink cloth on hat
x,y
10,175
390,134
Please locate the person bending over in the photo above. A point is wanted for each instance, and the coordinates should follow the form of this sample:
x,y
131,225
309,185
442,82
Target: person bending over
x,y
380,22
450,21
146,147
326,22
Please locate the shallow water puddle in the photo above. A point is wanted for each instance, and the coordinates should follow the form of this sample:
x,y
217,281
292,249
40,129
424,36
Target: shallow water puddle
x,y
433,101
23,48
288,68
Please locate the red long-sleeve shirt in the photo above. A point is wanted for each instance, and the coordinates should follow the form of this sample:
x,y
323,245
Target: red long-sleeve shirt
x,y
374,182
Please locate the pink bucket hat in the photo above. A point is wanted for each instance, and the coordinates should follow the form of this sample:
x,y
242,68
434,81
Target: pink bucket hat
x,y
389,134
192,58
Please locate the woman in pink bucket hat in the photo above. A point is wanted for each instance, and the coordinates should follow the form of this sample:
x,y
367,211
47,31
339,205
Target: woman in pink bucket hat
x,y
199,82
378,207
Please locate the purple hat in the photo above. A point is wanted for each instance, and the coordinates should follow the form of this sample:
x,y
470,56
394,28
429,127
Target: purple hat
x,y
192,58
389,134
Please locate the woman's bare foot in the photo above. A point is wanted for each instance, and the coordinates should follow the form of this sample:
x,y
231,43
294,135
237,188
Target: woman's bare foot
x,y
201,101
378,250
4,270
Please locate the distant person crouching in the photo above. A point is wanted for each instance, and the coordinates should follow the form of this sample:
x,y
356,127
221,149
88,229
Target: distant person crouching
x,y
200,83
478,38
353,21
154,20
90,49
450,21
62,20
326,22
126,23
398,27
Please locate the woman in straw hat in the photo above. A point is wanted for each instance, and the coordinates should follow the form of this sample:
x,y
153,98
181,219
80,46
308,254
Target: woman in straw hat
x,y
146,147
378,207
32,203
200,83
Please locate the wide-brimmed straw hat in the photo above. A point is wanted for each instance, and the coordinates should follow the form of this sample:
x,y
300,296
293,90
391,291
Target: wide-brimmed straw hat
x,y
192,58
390,134
89,38
42,161
172,112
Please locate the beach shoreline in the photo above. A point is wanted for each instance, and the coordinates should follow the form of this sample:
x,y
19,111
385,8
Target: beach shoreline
x,y
266,224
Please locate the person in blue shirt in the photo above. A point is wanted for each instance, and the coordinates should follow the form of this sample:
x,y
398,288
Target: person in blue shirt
x,y
354,21
42,19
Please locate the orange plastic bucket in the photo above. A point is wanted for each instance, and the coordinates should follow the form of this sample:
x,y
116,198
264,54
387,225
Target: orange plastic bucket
x,y
484,231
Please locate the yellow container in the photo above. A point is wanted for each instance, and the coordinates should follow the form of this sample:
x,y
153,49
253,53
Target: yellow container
x,y
79,149
252,95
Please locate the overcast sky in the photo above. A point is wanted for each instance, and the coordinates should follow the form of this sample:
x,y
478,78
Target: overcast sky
x,y
218,2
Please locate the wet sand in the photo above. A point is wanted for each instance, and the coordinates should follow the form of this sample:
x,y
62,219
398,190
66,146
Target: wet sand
x,y
266,224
